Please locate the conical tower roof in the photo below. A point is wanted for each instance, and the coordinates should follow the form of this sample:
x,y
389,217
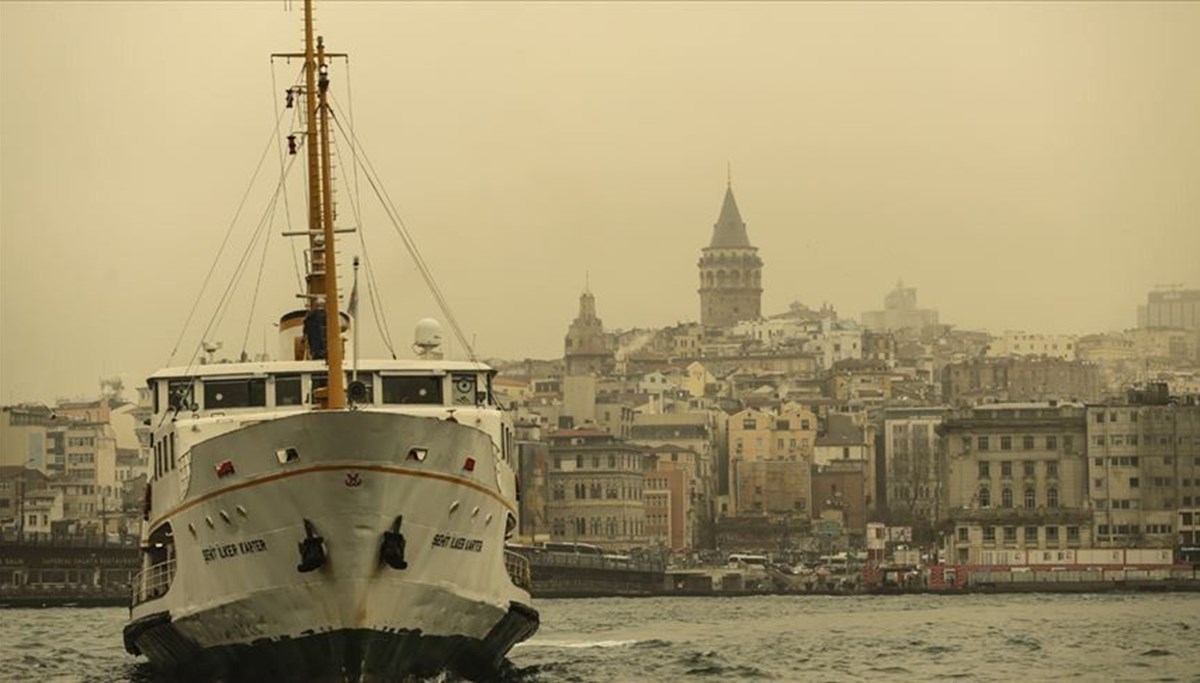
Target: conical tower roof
x,y
730,230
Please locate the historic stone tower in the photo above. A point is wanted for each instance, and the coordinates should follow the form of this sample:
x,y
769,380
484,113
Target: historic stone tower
x,y
730,271
586,349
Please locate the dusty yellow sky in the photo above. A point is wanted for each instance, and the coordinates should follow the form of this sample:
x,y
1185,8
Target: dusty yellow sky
x,y
1026,166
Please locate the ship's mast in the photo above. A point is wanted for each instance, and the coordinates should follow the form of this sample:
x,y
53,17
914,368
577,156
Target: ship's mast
x,y
322,281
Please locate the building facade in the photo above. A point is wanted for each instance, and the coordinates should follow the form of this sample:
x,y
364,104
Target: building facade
x,y
1016,481
596,489
911,465
1020,379
1144,460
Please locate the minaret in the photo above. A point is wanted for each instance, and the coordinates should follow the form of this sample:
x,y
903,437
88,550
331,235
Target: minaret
x,y
730,271
586,349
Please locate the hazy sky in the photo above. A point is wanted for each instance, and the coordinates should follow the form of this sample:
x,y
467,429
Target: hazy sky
x,y
1025,166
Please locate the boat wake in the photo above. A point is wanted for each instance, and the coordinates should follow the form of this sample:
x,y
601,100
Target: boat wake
x,y
651,643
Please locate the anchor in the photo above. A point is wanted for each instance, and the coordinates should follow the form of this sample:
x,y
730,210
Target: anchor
x,y
392,551
312,550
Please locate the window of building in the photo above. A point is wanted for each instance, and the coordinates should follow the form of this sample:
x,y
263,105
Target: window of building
x,y
1031,534
984,470
989,534
1133,482
1006,443
1072,533
1099,418
1030,499
1006,468
1051,534
1099,439
1052,497
1027,443
1051,443
1010,534
983,443
1052,468
421,390
1006,498
963,532
1069,443
1028,469
985,498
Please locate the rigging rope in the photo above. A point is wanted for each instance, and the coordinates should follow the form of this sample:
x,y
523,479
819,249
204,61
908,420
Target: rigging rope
x,y
224,243
402,230
372,289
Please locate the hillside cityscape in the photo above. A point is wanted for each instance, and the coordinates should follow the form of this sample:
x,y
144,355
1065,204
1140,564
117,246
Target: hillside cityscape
x,y
783,433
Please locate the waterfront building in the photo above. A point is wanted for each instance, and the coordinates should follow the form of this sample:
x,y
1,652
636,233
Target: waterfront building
x,y
596,484
670,523
847,444
686,440
1144,468
1015,481
912,471
730,271
840,495
900,312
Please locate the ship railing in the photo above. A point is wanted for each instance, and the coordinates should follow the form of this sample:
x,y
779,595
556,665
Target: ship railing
x,y
518,570
153,582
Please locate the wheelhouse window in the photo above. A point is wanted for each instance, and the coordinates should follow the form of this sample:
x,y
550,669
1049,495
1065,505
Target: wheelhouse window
x,y
245,392
288,391
424,390
179,394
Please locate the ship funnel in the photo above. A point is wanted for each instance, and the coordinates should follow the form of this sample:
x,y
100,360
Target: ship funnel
x,y
428,338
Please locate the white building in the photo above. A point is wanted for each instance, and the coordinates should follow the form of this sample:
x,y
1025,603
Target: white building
x,y
1016,343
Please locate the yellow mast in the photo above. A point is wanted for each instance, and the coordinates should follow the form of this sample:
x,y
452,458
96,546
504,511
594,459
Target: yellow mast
x,y
323,277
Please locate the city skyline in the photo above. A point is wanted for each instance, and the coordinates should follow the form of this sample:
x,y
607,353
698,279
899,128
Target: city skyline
x,y
1024,167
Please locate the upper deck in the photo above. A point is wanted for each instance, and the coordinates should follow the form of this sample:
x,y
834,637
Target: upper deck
x,y
223,387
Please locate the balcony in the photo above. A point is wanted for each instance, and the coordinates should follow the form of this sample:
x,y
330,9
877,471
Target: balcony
x,y
153,582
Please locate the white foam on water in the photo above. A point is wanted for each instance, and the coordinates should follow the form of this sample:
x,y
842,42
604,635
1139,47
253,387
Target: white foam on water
x,y
576,645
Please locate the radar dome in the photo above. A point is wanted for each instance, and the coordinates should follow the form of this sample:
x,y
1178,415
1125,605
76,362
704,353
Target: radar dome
x,y
428,335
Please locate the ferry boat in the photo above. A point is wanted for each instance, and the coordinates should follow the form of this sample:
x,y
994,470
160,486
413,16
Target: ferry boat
x,y
303,522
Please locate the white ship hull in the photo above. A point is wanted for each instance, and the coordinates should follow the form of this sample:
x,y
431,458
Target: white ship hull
x,y
237,605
